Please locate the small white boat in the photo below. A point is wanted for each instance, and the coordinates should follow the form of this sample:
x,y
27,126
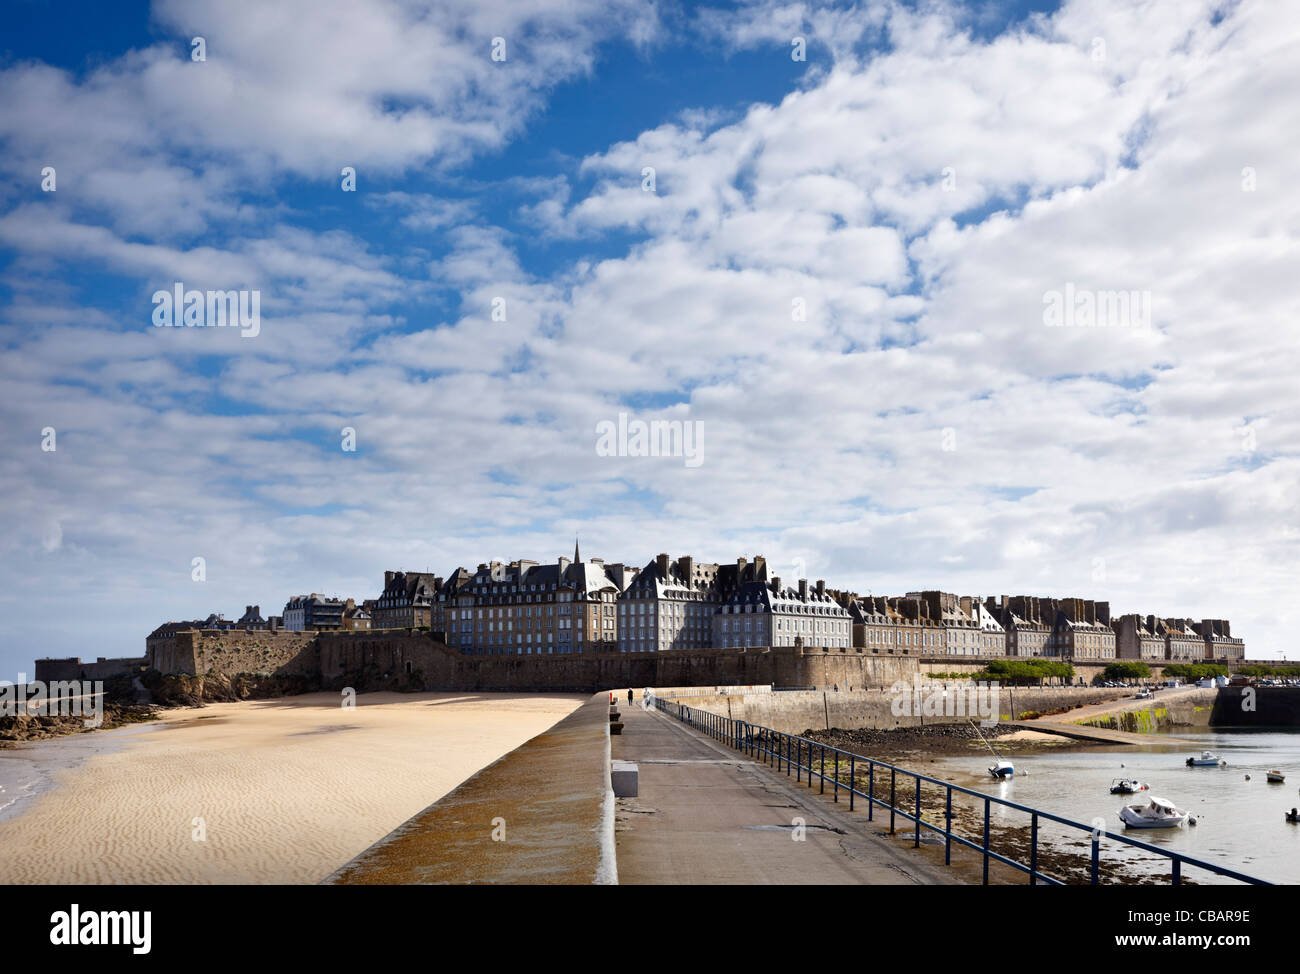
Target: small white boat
x,y
1127,786
1155,814
1206,760
1003,769
1276,778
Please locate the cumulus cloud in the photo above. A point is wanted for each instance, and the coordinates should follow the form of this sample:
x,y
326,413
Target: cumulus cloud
x,y
846,286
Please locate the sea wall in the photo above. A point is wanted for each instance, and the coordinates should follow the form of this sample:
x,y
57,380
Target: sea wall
x,y
1256,707
543,814
411,659
794,712
72,668
232,651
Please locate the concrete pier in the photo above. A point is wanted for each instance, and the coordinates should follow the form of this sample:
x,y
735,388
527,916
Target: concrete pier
x,y
706,815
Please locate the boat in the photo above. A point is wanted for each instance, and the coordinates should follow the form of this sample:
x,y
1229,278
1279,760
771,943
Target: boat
x,y
1127,786
1155,814
1206,760
1276,778
1003,768
1293,816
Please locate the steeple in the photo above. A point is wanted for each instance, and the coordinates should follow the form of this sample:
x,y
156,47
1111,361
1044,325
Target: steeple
x,y
576,556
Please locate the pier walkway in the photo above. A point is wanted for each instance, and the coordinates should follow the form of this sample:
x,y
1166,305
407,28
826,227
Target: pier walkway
x,y
706,815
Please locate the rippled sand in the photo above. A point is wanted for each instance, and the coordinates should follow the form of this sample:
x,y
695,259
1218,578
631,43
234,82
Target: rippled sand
x,y
288,790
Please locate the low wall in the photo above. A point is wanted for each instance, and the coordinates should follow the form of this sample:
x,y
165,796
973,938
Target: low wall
x,y
794,712
1255,707
420,660
72,668
232,651
544,813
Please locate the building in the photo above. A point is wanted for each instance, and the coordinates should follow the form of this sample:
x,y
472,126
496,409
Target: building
x,y
1183,644
252,618
527,608
1081,631
766,613
669,605
407,601
1134,641
1220,644
354,616
304,612
990,637
1027,621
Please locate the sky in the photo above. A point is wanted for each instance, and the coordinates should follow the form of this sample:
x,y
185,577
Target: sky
x,y
995,298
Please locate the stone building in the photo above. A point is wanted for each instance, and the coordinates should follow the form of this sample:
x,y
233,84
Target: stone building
x,y
527,608
671,604
1027,621
407,601
355,616
1134,641
766,613
1081,631
1183,644
989,636
252,619
1220,644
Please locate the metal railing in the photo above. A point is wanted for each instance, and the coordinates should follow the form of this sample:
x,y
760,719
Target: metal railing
x,y
790,752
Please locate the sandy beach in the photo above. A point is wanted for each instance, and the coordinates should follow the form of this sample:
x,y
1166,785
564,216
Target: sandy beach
x,y
287,789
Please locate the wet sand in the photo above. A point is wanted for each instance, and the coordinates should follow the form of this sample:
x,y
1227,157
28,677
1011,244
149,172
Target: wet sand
x,y
287,790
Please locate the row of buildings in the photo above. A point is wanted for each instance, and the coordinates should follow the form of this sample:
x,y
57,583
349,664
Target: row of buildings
x,y
576,606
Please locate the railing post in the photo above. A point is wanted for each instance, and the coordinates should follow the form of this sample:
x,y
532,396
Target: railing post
x,y
1096,857
916,844
893,796
798,758
853,762
986,841
822,774
1033,851
871,791
1178,872
947,830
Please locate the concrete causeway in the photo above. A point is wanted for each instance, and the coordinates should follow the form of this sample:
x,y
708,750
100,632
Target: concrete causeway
x,y
706,814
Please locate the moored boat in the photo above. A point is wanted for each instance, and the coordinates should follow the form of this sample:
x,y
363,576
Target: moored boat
x,y
1276,778
1003,769
1206,760
1127,786
1157,813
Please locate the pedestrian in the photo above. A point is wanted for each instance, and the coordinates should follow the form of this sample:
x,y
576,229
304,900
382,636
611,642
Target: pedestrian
x,y
629,696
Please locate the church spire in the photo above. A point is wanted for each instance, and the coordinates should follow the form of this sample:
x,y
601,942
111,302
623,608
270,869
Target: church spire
x,y
576,556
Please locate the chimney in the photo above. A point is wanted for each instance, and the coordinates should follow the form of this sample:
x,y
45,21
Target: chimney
x,y
760,563
803,589
662,563
776,584
248,610
257,610
388,579
821,588
740,570
686,568
965,602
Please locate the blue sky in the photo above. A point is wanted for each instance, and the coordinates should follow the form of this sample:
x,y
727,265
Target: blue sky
x,y
919,186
